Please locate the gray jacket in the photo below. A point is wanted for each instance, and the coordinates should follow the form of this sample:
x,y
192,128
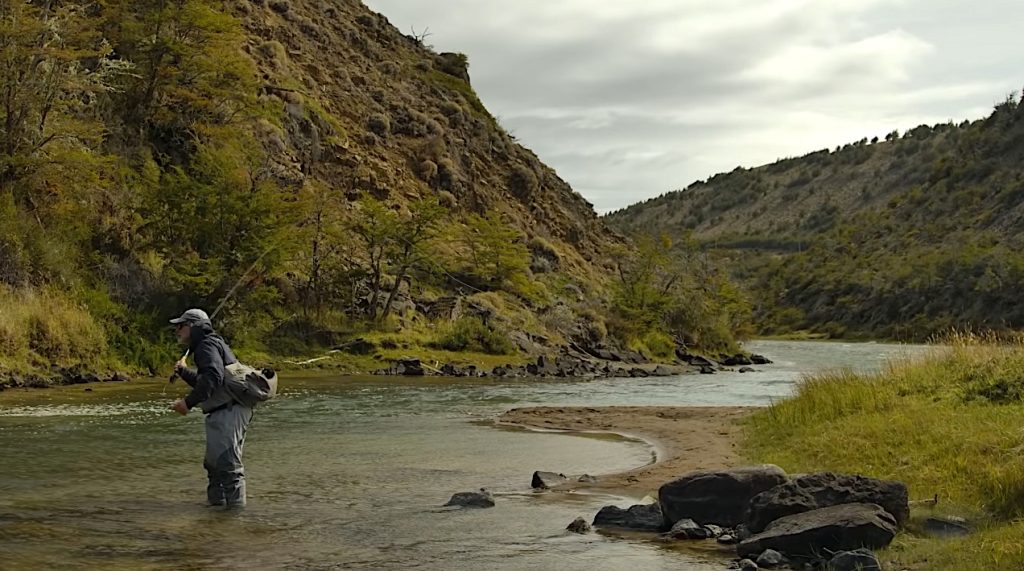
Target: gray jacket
x,y
211,354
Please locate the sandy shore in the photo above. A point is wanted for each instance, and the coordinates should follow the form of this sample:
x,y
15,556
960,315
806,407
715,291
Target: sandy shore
x,y
686,438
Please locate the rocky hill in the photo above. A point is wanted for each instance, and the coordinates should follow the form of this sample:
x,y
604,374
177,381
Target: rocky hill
x,y
904,236
338,177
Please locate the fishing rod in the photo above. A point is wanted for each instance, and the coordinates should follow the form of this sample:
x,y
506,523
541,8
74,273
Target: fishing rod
x,y
224,301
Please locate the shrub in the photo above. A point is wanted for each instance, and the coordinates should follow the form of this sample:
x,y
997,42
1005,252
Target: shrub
x,y
523,182
471,334
379,124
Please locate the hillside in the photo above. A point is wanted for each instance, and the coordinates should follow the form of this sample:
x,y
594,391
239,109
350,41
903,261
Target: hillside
x,y
345,175
902,237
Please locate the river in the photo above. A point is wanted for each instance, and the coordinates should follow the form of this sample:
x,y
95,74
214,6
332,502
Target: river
x,y
347,473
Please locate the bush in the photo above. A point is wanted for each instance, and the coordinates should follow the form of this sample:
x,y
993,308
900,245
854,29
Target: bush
x,y
471,334
523,182
50,326
379,124
660,345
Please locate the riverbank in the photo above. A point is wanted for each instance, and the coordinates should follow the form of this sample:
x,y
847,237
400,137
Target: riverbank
x,y
946,424
684,438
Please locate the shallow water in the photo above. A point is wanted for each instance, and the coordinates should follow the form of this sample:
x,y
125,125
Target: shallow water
x,y
346,473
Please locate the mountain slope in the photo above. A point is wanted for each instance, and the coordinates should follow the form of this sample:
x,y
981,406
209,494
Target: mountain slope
x,y
337,177
904,237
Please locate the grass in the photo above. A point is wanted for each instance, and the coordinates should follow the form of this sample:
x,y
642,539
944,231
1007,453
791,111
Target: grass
x,y
41,327
948,424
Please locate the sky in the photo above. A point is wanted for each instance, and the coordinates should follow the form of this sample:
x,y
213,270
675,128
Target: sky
x,y
629,100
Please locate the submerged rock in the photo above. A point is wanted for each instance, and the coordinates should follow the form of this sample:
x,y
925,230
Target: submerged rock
x,y
545,480
481,499
579,525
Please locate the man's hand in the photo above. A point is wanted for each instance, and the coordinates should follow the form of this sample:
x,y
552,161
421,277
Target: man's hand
x,y
180,407
181,364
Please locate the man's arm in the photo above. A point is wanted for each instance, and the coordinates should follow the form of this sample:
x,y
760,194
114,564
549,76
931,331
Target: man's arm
x,y
210,373
189,375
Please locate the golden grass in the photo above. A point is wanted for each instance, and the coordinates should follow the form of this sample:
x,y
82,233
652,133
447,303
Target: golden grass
x,y
38,328
950,424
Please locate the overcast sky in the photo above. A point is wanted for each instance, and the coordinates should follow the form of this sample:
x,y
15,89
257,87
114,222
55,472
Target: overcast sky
x,y
629,100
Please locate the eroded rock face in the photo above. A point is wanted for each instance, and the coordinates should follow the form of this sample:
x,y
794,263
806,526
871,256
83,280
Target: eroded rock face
x,y
716,497
824,489
844,527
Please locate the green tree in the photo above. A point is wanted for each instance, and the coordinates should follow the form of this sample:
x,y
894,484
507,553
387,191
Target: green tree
x,y
412,241
497,256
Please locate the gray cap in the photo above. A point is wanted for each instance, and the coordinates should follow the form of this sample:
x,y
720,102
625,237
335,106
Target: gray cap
x,y
192,317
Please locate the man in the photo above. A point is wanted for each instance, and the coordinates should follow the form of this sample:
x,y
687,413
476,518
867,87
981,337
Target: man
x,y
226,419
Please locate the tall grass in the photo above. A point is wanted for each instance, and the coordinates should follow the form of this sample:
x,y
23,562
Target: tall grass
x,y
39,328
950,423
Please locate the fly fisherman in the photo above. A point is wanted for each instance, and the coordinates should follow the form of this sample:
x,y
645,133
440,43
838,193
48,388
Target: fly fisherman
x,y
226,419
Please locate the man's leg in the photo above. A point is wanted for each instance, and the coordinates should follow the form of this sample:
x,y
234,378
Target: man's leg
x,y
214,449
230,472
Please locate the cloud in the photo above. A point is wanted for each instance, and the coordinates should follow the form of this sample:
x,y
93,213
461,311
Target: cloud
x,y
630,100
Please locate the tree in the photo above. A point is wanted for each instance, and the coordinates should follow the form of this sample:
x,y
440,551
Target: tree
x,y
48,122
412,242
497,254
189,70
376,226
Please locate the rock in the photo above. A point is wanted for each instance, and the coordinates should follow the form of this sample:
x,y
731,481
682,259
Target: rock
x,y
825,489
481,499
747,565
707,370
746,370
450,370
769,558
946,527
662,371
735,360
357,346
637,372
687,529
718,498
643,517
120,378
88,390
499,371
835,528
856,560
760,360
726,539
579,525
587,479
714,530
409,368
545,480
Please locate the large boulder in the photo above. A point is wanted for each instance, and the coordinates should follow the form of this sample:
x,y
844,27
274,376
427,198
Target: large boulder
x,y
813,491
643,517
718,498
827,530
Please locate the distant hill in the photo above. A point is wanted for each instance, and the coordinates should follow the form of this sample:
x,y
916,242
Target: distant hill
x,y
902,237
